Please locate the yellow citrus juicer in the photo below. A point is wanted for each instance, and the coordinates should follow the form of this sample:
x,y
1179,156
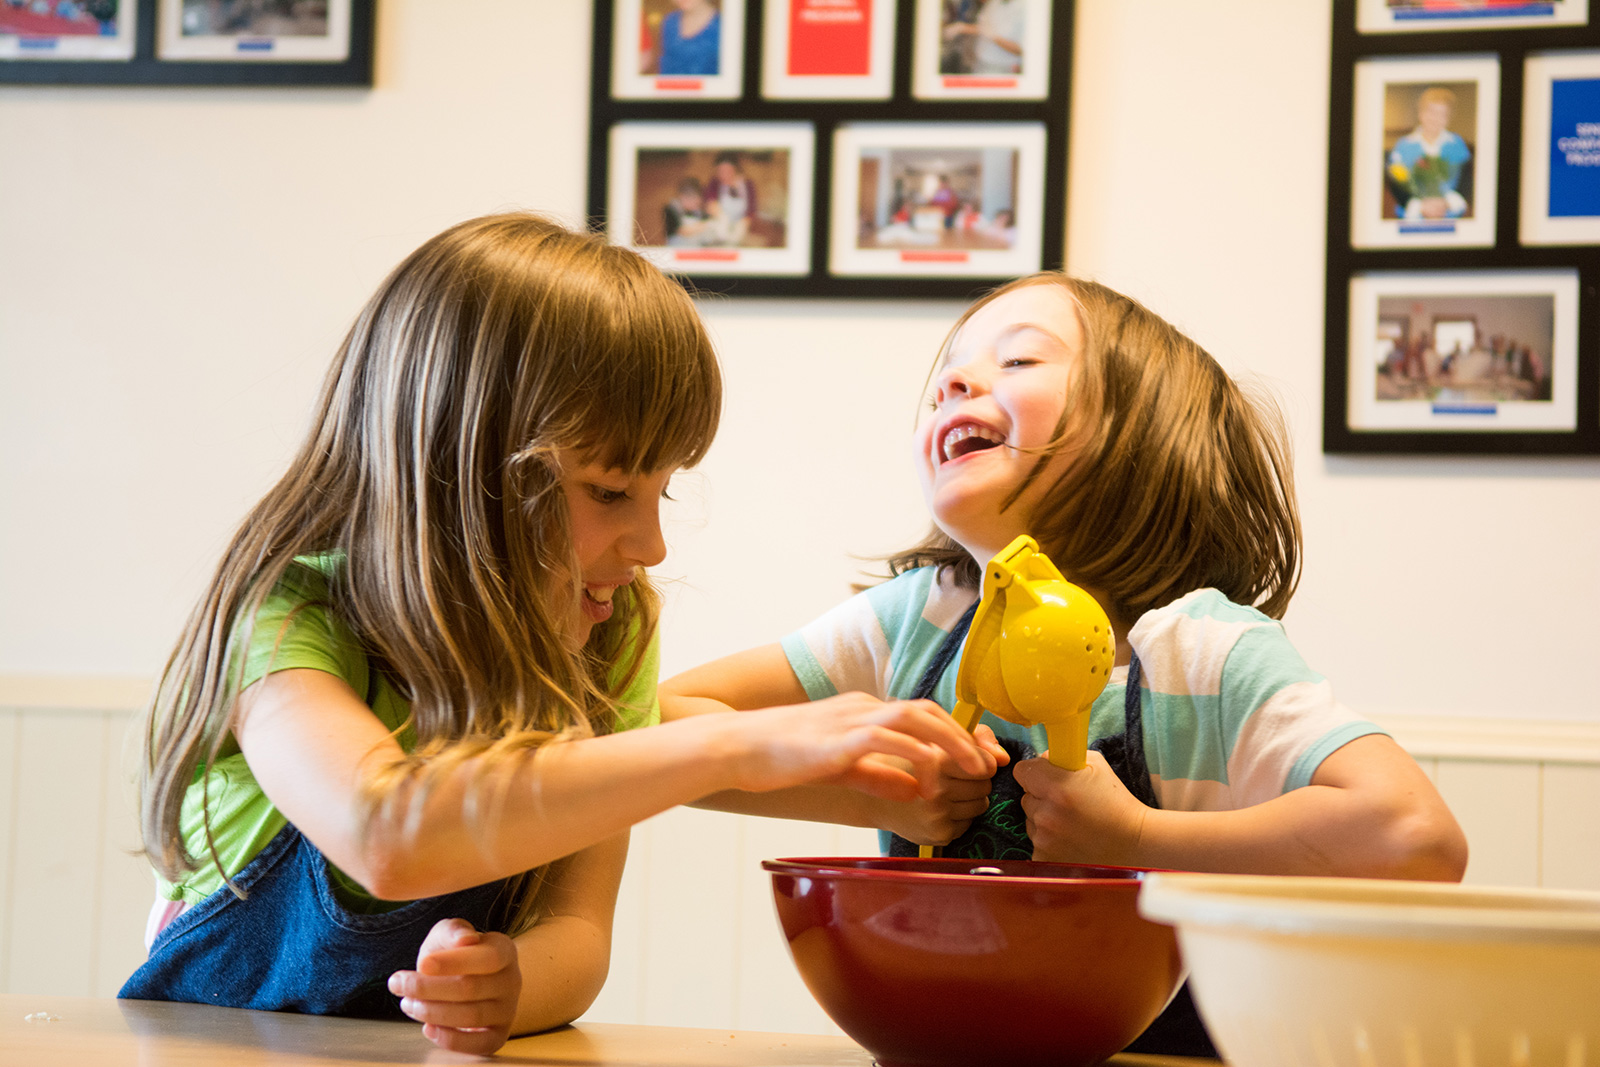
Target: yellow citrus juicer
x,y
1039,651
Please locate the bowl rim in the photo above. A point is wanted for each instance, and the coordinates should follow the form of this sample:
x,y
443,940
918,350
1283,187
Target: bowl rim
x,y
835,867
1189,900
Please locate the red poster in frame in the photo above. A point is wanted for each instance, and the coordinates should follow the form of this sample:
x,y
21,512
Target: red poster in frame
x,y
830,38
828,49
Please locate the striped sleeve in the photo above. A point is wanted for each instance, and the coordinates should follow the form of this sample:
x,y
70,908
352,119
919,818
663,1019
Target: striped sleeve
x,y
879,641
841,651
1235,717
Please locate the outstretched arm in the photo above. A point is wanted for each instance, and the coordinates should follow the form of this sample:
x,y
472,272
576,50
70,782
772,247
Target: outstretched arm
x,y
1368,812
316,750
761,677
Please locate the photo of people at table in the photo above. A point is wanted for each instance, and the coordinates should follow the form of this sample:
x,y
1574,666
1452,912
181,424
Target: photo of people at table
x,y
58,18
712,197
682,37
951,198
255,18
982,36
1465,349
1429,134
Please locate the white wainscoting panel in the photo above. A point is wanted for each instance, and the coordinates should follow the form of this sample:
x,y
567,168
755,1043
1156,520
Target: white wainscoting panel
x,y
127,884
10,752
1570,827
56,834
1497,805
692,919
696,940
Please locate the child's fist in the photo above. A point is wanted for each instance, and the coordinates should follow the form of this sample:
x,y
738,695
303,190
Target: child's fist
x,y
465,988
957,797
1085,816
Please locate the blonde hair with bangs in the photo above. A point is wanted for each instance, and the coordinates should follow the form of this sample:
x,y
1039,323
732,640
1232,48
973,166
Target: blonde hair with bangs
x,y
1179,481
432,467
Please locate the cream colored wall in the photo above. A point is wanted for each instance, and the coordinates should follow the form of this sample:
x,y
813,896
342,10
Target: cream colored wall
x,y
177,265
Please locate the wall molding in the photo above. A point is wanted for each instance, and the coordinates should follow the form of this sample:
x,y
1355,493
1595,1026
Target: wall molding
x,y
1501,740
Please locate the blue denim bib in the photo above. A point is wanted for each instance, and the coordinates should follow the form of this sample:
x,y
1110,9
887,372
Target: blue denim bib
x,y
291,946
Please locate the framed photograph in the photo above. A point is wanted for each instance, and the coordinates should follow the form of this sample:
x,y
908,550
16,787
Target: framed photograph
x,y
67,29
253,31
937,200
983,49
827,49
1561,149
1433,16
1463,351
1426,141
709,198
677,49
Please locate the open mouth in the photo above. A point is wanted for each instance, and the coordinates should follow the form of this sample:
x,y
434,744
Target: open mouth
x,y
596,602
966,439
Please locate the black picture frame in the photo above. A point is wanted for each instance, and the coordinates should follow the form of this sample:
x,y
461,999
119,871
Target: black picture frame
x,y
146,67
1508,254
827,116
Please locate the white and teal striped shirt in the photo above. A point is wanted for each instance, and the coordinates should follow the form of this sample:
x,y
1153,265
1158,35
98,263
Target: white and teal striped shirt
x,y
1232,715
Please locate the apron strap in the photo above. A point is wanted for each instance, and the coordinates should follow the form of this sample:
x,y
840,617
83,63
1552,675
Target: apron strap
x,y
1125,751
947,652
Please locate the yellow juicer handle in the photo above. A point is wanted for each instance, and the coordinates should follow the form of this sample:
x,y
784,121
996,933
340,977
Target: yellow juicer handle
x,y
1069,742
1059,645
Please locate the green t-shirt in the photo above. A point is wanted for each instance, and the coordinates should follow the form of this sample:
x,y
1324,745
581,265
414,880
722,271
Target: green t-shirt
x,y
243,820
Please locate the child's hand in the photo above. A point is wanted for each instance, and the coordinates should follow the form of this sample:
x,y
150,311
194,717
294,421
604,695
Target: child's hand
x,y
1085,816
465,988
958,798
834,740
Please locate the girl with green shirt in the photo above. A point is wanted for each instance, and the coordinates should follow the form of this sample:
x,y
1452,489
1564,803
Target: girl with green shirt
x,y
394,755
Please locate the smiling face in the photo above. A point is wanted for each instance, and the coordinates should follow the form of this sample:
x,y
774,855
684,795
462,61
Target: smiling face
x,y
999,398
616,530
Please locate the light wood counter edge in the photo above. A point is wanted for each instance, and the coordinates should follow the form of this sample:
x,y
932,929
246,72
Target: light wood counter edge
x,y
108,1033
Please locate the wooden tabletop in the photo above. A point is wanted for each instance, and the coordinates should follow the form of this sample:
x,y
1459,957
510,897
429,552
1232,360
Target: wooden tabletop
x,y
80,1032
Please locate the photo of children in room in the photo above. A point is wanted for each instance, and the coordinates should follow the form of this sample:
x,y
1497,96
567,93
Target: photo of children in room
x,y
1427,141
1464,349
712,197
951,198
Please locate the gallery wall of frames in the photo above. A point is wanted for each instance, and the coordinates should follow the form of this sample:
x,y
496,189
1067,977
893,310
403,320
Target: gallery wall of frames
x,y
1463,228
186,42
837,148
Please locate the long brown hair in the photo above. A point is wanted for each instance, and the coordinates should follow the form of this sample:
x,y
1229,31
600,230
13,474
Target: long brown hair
x,y
431,466
1180,480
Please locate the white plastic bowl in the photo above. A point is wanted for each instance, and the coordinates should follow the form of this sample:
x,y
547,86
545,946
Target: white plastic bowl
x,y
1342,972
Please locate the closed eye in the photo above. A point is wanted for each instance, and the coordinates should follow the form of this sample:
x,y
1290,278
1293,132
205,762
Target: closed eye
x,y
603,495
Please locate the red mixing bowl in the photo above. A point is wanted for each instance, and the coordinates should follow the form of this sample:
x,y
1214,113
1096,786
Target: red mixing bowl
x,y
945,962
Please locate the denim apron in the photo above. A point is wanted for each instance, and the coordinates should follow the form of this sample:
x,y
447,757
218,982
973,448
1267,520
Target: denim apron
x,y
291,946
1001,832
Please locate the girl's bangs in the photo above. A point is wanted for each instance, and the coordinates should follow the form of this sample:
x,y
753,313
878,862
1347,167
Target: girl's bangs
x,y
660,397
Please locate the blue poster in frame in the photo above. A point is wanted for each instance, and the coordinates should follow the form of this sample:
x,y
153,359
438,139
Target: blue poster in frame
x,y
1575,148
1561,149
